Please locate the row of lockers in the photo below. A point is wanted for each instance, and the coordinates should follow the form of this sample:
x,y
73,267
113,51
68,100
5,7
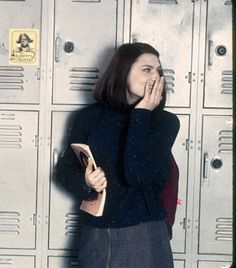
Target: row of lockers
x,y
81,52
71,262
18,145
196,54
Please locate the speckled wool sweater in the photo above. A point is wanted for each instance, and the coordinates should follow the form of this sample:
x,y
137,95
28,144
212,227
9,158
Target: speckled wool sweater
x,y
133,148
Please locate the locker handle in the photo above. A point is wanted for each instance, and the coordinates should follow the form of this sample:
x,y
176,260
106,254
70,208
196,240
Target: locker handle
x,y
57,48
210,52
205,166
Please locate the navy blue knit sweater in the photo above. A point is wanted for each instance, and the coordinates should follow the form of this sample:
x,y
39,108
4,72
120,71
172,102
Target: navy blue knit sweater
x,y
133,148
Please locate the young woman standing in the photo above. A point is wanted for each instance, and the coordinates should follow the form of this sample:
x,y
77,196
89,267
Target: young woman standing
x,y
130,136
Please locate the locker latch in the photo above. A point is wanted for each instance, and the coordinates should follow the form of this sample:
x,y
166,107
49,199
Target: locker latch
x,y
185,223
189,77
34,219
36,141
188,144
38,74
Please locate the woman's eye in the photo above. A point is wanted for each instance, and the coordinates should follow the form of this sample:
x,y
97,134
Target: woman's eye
x,y
147,70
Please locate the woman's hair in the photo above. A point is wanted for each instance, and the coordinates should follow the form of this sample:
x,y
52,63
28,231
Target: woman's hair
x,y
112,86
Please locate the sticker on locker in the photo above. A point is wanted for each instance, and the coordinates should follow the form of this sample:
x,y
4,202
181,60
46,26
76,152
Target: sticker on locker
x,y
23,46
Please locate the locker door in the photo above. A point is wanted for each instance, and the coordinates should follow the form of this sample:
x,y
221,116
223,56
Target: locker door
x,y
18,178
213,264
215,234
17,261
64,222
62,262
151,23
180,153
179,264
218,68
19,83
85,37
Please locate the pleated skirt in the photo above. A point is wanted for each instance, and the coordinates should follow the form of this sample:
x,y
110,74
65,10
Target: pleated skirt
x,y
145,245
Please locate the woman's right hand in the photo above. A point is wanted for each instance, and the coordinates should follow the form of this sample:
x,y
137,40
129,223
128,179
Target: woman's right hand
x,y
152,94
95,179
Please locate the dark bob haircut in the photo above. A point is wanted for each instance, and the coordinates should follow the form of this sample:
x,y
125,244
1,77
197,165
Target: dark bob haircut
x,y
112,86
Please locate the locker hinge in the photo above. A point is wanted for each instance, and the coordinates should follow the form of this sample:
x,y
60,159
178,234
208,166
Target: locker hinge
x,y
189,77
34,219
36,141
188,144
185,223
38,73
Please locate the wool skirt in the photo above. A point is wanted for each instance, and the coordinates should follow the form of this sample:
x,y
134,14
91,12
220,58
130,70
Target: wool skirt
x,y
145,245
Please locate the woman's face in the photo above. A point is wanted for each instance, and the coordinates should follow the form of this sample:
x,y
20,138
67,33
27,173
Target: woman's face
x,y
145,68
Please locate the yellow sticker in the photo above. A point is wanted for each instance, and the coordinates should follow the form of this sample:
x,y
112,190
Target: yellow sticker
x,y
24,46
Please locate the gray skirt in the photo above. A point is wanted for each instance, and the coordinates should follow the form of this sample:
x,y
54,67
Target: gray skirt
x,y
145,245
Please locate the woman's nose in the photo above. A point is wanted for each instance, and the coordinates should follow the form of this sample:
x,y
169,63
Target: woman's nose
x,y
154,76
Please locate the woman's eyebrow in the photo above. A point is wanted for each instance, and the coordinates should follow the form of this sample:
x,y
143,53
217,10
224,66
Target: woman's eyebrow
x,y
146,65
150,66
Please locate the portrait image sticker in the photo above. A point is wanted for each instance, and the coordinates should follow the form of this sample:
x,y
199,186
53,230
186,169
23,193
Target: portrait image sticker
x,y
24,46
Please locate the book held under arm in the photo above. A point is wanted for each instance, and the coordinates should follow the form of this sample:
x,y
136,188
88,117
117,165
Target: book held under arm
x,y
94,207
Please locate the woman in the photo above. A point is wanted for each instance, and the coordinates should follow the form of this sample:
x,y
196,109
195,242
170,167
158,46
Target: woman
x,y
130,136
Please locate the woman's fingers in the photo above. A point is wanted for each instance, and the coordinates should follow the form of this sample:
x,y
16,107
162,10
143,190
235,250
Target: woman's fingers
x,y
99,187
96,172
152,94
90,167
157,90
96,180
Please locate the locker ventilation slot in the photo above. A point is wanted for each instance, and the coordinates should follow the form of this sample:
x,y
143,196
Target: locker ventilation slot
x,y
169,79
223,229
11,77
162,2
5,261
226,82
9,223
10,136
228,2
72,224
83,79
225,144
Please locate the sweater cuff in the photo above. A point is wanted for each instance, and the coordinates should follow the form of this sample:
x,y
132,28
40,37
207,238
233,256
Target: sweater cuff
x,y
141,115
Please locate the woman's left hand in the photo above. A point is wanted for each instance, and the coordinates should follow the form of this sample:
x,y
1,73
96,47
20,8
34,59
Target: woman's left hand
x,y
152,94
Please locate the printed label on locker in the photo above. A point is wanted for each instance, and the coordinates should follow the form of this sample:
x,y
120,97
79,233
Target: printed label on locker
x,y
23,46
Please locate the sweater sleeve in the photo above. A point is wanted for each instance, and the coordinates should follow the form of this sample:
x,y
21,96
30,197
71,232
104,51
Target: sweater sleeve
x,y
148,149
69,171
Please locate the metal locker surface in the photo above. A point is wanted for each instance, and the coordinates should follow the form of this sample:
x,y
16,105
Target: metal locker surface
x,y
218,62
9,261
151,23
18,179
215,235
180,153
179,264
85,38
64,222
19,83
62,262
213,264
